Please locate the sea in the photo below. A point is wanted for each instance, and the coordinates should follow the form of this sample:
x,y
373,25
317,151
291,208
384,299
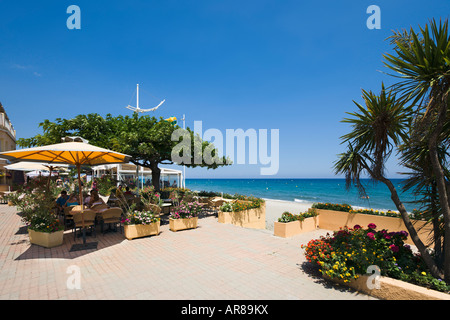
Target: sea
x,y
309,191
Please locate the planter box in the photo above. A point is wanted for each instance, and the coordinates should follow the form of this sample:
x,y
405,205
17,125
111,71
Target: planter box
x,y
252,218
45,239
290,229
141,230
392,289
183,224
333,220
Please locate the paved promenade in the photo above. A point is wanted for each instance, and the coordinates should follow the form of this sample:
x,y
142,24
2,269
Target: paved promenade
x,y
213,262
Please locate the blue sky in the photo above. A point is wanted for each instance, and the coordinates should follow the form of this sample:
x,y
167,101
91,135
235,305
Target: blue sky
x,y
295,66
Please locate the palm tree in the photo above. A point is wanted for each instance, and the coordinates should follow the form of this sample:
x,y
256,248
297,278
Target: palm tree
x,y
422,63
380,126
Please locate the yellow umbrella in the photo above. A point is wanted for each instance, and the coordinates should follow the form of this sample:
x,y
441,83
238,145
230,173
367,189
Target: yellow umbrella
x,y
74,153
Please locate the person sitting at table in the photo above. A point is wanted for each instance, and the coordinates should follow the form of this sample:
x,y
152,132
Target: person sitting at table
x,y
61,201
94,199
128,191
119,192
72,201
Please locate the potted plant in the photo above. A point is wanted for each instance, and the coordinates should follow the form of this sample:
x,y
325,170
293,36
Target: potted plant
x,y
185,216
141,224
289,224
244,211
44,228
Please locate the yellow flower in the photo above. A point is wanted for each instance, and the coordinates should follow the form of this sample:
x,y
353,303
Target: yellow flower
x,y
424,273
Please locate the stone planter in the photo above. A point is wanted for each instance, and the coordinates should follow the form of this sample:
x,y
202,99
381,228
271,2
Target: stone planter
x,y
290,229
141,230
391,289
183,224
46,239
334,220
252,218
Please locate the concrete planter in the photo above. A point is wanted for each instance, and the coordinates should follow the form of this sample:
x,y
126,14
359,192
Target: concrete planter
x,y
46,239
183,224
133,231
290,229
252,218
391,289
333,220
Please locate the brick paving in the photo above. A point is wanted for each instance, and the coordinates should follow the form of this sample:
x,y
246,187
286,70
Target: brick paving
x,y
213,262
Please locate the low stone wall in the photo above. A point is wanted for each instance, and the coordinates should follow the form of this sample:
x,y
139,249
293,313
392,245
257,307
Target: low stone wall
x,y
391,289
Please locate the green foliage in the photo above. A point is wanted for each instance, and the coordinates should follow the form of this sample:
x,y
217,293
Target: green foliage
x,y
332,206
146,139
289,217
106,184
36,201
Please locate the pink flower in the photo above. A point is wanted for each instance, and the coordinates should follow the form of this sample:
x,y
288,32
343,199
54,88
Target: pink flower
x,y
372,226
371,236
357,226
393,247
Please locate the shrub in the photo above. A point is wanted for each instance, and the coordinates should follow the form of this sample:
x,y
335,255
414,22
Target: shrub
x,y
289,217
332,206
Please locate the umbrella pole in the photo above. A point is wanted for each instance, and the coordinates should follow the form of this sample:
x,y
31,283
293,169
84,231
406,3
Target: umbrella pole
x,y
81,203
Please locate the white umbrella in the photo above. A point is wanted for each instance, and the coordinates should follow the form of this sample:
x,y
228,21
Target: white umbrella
x,y
32,166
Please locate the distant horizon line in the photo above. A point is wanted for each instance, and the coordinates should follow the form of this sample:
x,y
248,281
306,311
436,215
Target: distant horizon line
x,y
280,178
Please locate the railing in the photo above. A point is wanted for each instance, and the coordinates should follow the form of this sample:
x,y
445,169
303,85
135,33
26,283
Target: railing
x,y
6,125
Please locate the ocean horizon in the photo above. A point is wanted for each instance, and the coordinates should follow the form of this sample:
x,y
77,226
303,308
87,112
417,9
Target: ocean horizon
x,y
308,191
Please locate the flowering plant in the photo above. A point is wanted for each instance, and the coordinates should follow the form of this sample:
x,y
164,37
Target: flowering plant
x,y
140,217
186,210
36,202
289,217
349,252
149,195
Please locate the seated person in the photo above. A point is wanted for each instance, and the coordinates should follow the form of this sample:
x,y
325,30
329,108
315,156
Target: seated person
x,y
61,201
128,191
119,192
94,199
72,201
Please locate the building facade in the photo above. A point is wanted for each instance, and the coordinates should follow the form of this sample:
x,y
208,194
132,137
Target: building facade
x,y
7,143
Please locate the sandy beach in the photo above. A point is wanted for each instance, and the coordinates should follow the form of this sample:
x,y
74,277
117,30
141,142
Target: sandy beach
x,y
274,209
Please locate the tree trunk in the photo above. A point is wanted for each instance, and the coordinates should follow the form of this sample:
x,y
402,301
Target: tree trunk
x,y
412,231
440,181
436,228
156,174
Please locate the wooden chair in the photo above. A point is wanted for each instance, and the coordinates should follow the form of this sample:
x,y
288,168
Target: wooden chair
x,y
110,216
68,215
89,220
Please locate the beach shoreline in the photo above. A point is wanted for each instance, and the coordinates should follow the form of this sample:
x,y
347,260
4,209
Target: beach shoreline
x,y
275,208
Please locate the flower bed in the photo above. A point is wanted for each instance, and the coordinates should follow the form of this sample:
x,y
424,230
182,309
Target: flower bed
x,y
347,254
333,220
